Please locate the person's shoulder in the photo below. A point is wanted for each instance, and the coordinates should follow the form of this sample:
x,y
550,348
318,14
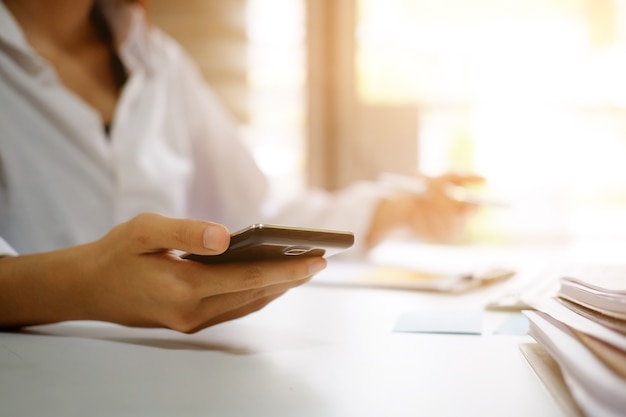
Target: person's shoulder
x,y
165,51
141,40
163,43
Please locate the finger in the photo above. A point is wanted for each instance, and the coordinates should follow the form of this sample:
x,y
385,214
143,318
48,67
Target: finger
x,y
210,280
213,310
238,305
150,232
238,312
463,179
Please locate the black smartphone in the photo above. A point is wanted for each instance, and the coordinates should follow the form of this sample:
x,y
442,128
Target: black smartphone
x,y
273,242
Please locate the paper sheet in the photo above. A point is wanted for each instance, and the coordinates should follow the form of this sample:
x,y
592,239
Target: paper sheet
x,y
395,277
595,387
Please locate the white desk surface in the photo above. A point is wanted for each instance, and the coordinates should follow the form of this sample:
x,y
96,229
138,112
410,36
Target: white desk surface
x,y
318,351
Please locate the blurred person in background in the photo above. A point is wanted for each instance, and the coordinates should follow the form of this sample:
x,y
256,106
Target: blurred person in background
x,y
115,154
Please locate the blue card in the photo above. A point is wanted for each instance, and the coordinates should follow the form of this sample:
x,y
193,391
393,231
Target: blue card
x,y
515,324
443,322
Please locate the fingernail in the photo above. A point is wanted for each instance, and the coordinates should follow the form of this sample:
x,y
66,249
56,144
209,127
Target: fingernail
x,y
213,238
316,265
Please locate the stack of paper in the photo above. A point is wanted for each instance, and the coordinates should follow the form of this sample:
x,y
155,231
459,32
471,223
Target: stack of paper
x,y
405,278
583,329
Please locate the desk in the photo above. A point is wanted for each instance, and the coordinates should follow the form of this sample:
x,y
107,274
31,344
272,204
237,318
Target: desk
x,y
318,351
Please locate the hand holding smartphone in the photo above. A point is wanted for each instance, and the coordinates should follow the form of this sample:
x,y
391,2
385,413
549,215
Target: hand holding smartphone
x,y
274,242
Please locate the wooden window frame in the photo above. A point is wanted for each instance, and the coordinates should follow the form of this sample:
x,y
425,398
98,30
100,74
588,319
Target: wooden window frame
x,y
348,140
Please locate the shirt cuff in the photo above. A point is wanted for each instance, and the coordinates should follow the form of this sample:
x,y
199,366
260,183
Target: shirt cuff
x,y
6,249
349,209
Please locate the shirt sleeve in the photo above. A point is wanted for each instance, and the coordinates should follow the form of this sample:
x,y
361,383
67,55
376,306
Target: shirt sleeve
x,y
6,249
350,209
228,186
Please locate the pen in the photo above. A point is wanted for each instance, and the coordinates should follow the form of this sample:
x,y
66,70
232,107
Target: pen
x,y
419,187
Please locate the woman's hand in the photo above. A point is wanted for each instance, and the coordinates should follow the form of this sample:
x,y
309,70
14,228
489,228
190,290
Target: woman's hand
x,y
435,215
133,276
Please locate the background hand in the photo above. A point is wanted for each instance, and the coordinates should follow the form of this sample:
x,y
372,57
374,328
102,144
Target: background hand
x,y
437,213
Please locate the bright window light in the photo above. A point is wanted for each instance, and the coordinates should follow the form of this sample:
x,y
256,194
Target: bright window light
x,y
530,94
276,77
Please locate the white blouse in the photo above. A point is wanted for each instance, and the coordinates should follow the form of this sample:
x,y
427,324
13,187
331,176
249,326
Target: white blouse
x,y
172,149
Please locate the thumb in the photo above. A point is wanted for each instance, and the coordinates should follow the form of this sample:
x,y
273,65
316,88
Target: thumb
x,y
150,232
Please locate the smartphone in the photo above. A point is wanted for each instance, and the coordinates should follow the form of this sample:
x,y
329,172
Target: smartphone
x,y
274,242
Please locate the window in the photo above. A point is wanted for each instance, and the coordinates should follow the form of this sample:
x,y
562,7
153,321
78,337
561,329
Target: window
x,y
530,94
252,53
276,81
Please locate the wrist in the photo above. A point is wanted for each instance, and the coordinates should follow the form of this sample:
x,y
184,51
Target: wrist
x,y
39,289
391,214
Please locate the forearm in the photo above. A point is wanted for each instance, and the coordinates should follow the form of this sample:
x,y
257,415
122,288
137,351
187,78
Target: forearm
x,y
131,277
40,288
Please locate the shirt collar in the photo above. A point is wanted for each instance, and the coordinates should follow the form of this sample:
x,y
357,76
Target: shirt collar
x,y
12,38
127,22
130,31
